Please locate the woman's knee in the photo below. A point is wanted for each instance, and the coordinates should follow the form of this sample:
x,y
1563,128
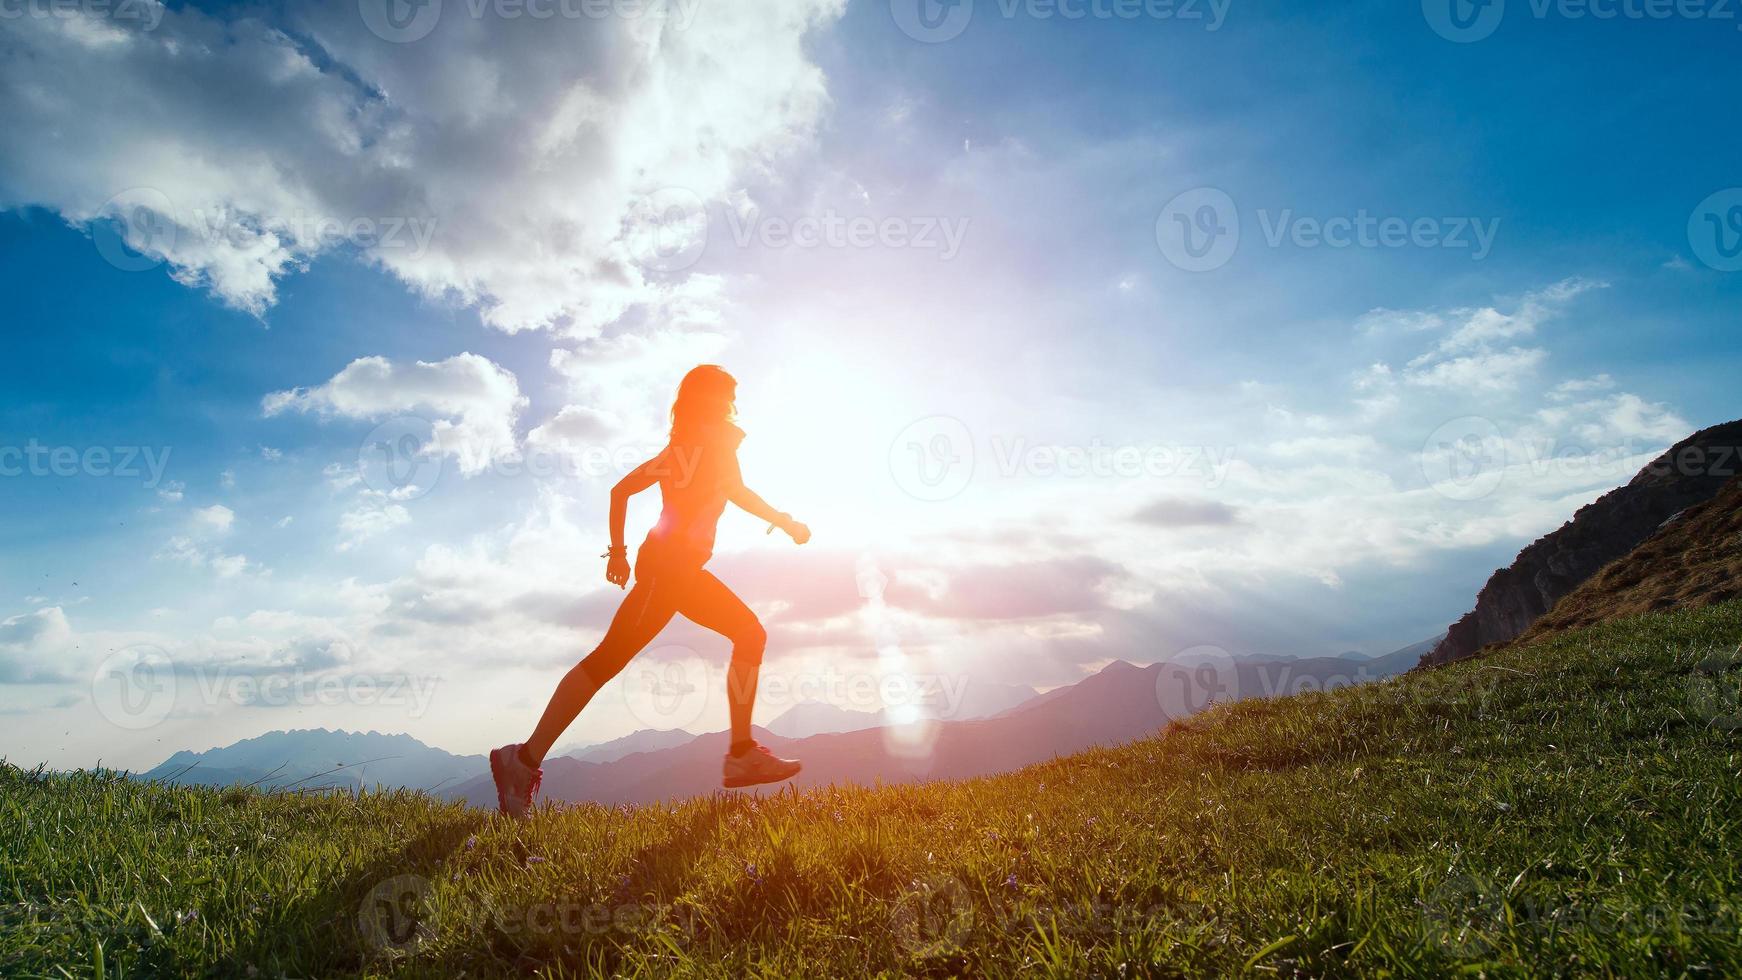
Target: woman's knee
x,y
749,642
601,665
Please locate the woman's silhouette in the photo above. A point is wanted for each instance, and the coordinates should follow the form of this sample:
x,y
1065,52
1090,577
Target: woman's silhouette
x,y
697,473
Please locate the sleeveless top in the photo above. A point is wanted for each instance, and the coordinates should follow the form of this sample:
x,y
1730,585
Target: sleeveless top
x,y
696,476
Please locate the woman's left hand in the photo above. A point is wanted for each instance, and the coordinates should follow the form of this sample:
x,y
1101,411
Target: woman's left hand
x,y
798,532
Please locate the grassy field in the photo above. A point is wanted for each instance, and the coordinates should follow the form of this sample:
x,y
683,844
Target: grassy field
x,y
1572,807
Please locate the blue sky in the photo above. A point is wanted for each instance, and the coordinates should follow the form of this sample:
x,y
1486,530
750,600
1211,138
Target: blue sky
x,y
1013,295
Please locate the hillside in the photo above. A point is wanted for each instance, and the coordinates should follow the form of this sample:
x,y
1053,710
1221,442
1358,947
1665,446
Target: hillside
x,y
1688,473
1570,806
1693,561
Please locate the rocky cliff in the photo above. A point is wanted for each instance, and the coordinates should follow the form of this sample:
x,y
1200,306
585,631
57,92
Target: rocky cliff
x,y
1694,561
1689,473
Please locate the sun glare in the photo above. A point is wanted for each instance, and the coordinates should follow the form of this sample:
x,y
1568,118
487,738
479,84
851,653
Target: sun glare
x,y
818,434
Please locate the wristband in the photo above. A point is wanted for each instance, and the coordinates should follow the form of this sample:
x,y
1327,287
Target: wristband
x,y
615,551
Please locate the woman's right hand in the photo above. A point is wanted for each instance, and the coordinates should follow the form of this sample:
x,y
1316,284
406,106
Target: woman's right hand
x,y
617,570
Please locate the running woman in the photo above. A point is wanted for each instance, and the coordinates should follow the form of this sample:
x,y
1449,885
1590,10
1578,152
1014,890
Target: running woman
x,y
698,475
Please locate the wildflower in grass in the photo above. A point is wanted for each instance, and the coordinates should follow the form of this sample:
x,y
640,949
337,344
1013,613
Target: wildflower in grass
x,y
1010,880
535,859
472,842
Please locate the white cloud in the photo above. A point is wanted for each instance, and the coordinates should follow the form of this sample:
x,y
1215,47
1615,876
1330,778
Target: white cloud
x,y
1479,353
197,554
574,430
497,161
341,477
228,566
33,647
217,518
1481,327
633,375
1488,371
470,402
197,548
363,523
1567,390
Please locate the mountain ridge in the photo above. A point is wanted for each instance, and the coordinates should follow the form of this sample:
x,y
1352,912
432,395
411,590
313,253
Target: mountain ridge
x,y
1688,473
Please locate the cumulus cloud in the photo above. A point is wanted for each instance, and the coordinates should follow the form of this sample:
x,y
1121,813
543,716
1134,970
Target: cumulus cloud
x,y
574,429
34,647
503,161
217,518
470,402
629,374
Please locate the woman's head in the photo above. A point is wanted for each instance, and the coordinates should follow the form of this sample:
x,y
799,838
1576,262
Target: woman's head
x,y
704,399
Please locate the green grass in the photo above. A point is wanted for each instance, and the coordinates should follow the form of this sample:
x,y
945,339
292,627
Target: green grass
x,y
1574,807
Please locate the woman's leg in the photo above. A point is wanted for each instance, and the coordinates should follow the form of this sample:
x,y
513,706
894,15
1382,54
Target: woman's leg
x,y
706,601
644,612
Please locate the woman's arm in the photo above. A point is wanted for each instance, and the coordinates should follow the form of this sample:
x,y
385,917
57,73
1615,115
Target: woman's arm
x,y
638,479
753,504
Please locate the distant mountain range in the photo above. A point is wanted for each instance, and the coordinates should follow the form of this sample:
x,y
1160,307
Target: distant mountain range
x,y
996,728
819,718
314,758
1121,703
645,740
978,700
